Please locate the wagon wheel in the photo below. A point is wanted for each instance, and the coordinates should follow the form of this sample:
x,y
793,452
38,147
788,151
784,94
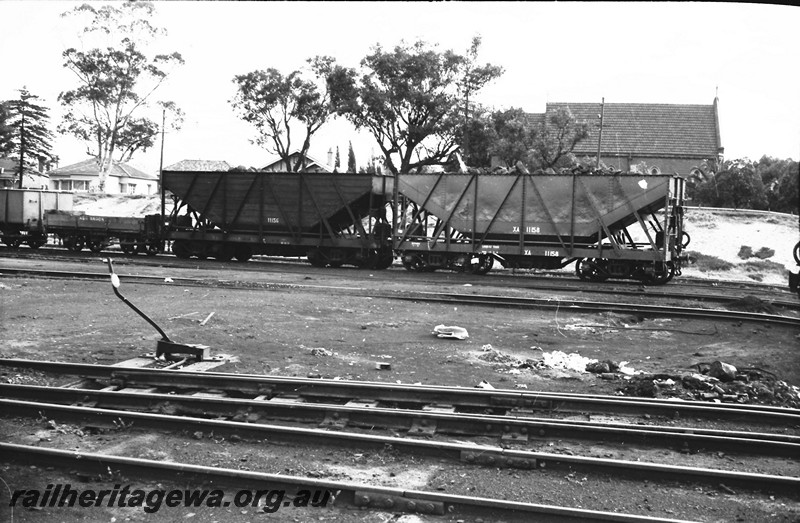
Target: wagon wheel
x,y
413,262
797,253
14,243
179,249
128,245
590,270
484,264
662,276
37,240
154,247
243,253
316,258
95,245
74,243
385,259
225,252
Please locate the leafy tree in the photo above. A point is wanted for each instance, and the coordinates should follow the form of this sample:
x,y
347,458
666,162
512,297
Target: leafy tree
x,y
511,136
409,100
555,139
275,104
351,159
737,185
30,138
775,173
109,108
788,190
474,78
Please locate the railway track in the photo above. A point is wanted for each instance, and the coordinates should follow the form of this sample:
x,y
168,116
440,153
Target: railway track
x,y
685,289
188,401
345,494
411,396
459,298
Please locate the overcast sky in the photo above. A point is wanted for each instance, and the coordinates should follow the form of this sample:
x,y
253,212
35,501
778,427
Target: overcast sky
x,y
678,53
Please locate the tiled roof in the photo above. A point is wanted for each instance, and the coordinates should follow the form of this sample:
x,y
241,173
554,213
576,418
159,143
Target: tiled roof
x,y
90,167
661,130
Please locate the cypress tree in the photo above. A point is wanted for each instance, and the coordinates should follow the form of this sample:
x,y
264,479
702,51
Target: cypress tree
x,y
351,159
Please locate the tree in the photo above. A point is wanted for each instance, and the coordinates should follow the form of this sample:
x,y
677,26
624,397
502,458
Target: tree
x,y
512,136
338,162
737,185
774,174
275,103
111,105
788,190
555,139
30,138
474,77
6,131
351,159
409,100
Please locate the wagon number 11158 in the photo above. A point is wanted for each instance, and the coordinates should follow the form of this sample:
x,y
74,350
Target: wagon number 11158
x,y
529,230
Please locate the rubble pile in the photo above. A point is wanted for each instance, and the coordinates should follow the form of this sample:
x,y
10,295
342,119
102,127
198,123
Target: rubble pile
x,y
718,382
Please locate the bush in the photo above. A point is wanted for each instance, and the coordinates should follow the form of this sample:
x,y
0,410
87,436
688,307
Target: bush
x,y
705,263
765,265
745,252
764,253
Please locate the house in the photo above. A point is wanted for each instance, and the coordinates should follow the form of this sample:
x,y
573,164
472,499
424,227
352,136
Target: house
x,y
122,178
312,165
199,165
656,138
8,176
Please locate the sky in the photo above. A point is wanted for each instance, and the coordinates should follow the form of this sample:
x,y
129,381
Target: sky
x,y
675,53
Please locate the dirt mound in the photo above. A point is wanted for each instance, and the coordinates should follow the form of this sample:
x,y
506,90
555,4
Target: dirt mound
x,y
134,205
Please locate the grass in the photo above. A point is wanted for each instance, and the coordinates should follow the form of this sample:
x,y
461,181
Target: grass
x,y
706,263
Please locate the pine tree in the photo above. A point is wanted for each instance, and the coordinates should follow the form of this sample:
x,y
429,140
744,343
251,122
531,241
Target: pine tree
x,y
338,161
351,159
6,132
31,140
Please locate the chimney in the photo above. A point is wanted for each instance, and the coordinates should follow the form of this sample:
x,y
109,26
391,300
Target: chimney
x,y
330,157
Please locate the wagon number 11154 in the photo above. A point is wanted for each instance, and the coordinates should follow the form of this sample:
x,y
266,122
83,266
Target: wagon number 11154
x,y
529,230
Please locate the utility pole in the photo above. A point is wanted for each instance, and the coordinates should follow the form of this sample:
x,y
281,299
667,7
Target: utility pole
x,y
161,163
600,138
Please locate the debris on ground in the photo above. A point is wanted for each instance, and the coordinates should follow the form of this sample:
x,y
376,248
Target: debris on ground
x,y
561,360
484,385
457,333
320,351
752,304
750,386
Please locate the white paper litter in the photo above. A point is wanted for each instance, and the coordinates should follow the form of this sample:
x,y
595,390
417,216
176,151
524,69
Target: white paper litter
x,y
458,333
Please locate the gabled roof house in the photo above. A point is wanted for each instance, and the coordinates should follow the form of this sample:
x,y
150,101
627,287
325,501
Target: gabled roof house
x,y
659,138
122,179
312,164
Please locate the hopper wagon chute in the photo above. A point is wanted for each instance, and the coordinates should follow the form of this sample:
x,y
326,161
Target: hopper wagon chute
x,y
620,225
333,219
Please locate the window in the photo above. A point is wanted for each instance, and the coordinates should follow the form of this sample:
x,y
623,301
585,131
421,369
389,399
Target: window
x,y
655,170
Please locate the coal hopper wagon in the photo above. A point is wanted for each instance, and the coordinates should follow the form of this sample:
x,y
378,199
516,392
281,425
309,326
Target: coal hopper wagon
x,y
331,219
627,226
